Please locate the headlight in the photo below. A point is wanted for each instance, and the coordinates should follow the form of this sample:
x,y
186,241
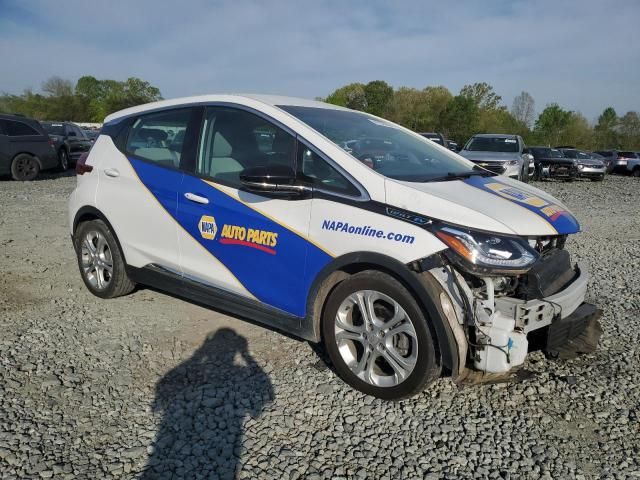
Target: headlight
x,y
512,162
487,252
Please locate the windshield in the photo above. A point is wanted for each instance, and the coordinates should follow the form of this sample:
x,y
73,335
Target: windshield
x,y
384,146
492,144
54,128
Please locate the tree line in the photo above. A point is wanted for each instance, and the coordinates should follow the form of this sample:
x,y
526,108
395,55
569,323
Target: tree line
x,y
477,108
89,100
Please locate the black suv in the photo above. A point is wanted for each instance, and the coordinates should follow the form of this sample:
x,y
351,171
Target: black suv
x,y
69,139
551,162
25,148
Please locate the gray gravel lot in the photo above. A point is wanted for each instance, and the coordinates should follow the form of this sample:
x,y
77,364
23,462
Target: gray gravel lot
x,y
152,386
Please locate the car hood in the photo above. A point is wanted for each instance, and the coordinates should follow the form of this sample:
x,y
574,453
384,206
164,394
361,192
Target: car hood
x,y
494,204
560,161
490,156
592,162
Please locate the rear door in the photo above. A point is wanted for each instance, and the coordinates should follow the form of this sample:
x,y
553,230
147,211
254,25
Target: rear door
x,y
138,186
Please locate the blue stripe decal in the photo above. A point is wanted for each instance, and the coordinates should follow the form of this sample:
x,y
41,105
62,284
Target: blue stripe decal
x,y
561,220
276,265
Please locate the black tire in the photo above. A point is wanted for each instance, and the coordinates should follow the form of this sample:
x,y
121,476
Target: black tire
x,y
524,174
63,160
635,172
119,283
426,368
24,167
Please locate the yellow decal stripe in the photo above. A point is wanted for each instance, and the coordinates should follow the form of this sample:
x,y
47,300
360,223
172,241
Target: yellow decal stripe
x,y
264,214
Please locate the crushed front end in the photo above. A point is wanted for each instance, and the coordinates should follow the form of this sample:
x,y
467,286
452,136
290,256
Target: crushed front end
x,y
509,296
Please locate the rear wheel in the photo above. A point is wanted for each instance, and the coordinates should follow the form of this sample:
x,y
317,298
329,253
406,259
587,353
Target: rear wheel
x,y
377,337
100,260
63,160
636,172
24,167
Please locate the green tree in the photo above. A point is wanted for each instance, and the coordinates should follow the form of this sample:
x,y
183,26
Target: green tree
x,y
460,118
605,129
350,96
378,95
483,95
551,124
629,130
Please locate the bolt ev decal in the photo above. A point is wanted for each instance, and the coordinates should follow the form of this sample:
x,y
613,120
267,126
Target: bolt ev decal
x,y
207,227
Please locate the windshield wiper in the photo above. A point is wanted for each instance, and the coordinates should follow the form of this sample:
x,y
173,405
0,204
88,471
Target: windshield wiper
x,y
461,175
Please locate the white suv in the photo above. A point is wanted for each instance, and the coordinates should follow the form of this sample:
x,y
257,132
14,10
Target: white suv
x,y
406,260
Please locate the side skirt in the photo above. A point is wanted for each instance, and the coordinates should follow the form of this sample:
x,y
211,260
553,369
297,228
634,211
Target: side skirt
x,y
221,300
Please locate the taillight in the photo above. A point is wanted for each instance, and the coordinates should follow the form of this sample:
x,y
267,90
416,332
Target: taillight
x,y
81,164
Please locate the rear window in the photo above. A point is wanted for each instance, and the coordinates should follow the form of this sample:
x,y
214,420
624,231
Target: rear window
x,y
604,153
53,128
492,144
18,129
627,154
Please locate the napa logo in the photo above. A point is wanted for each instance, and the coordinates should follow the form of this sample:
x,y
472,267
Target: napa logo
x,y
207,226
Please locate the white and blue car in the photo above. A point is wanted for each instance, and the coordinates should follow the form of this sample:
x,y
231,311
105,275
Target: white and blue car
x,y
406,260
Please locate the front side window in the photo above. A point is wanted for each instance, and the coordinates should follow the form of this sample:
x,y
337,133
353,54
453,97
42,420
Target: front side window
x,y
492,144
234,139
322,175
382,145
18,129
571,153
158,137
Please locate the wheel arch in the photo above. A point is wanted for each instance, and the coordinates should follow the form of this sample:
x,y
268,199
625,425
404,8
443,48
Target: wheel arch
x,y
349,264
88,213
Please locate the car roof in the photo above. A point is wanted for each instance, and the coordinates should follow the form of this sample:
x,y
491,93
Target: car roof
x,y
496,135
272,100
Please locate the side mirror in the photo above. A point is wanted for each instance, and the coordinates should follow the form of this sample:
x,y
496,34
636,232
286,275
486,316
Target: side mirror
x,y
278,180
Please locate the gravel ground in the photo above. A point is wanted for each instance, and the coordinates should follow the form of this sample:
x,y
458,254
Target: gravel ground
x,y
153,387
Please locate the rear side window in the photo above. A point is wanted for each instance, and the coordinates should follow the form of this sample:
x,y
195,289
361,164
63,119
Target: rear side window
x,y
159,137
322,175
18,129
234,139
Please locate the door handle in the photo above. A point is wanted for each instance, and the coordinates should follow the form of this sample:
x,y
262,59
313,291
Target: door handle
x,y
111,172
196,198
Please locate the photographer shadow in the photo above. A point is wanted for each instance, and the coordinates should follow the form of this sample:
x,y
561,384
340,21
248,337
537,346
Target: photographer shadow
x,y
204,402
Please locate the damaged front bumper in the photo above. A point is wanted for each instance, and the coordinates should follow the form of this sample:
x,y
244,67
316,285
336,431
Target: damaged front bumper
x,y
503,329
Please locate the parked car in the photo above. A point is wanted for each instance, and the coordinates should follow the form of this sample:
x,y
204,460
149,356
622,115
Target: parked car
x,y
551,162
588,166
610,158
620,164
25,148
69,139
421,264
633,167
453,146
91,134
502,154
439,138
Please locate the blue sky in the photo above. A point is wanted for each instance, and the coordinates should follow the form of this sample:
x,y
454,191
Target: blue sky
x,y
582,54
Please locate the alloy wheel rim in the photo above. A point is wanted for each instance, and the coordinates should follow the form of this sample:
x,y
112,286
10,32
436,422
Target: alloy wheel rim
x,y
376,338
96,261
64,160
25,167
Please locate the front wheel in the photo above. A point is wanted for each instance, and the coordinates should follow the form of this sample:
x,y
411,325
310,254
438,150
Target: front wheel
x,y
377,337
100,260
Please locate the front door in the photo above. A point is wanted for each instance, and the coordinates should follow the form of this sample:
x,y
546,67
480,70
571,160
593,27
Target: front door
x,y
248,244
